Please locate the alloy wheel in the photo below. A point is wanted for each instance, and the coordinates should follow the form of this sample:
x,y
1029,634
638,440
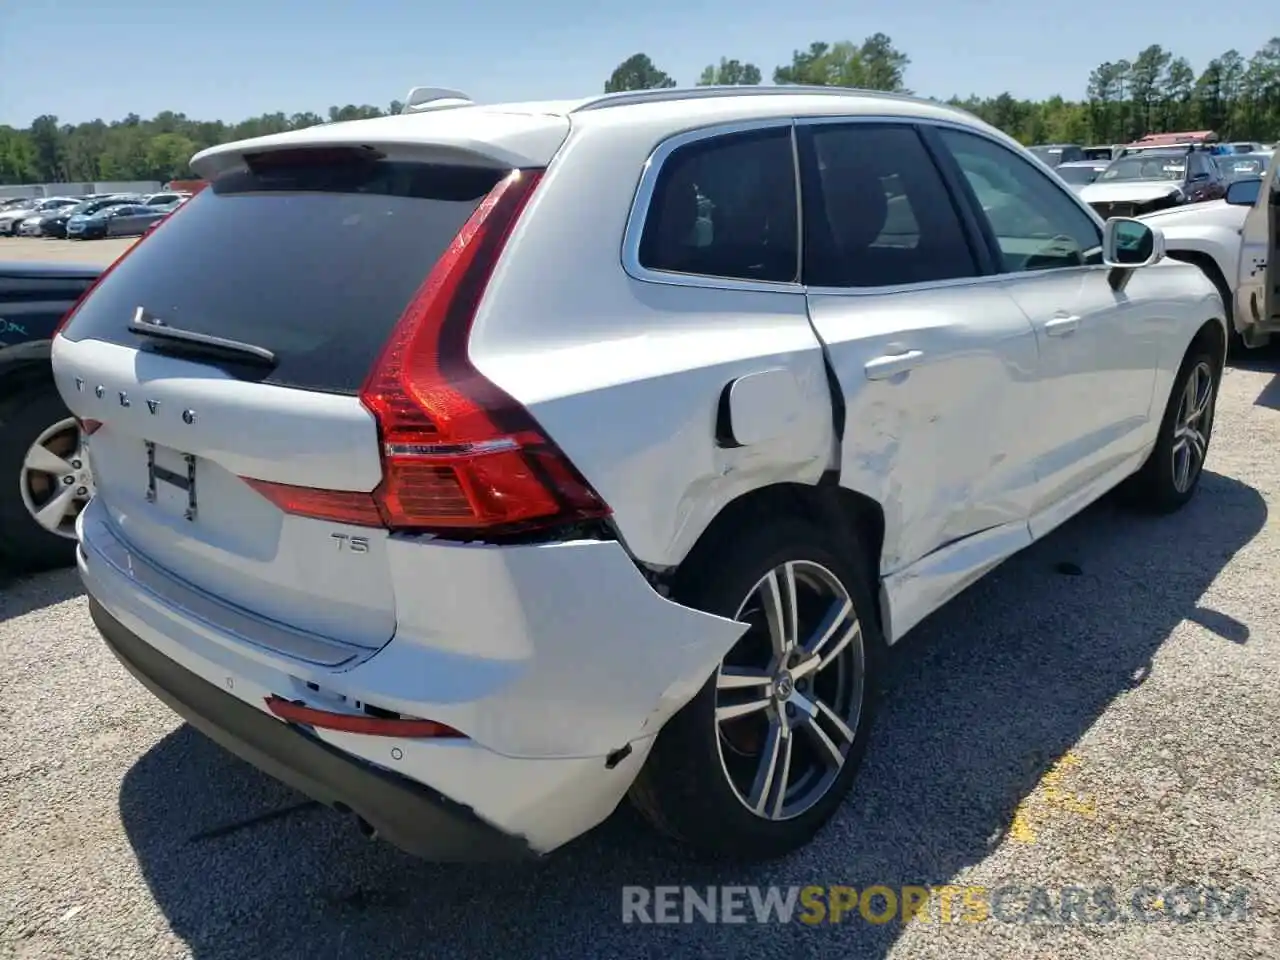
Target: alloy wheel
x,y
1191,428
789,696
56,481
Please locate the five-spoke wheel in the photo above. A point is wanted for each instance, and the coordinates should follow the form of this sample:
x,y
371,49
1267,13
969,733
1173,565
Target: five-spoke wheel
x,y
755,764
789,695
1191,429
56,481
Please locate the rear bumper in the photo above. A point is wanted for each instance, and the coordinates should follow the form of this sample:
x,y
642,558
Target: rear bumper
x,y
408,814
558,680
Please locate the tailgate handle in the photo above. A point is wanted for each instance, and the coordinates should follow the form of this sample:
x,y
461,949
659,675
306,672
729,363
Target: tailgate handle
x,y
883,368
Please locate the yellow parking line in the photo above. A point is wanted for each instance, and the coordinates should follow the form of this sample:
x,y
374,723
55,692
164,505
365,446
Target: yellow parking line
x,y
1050,798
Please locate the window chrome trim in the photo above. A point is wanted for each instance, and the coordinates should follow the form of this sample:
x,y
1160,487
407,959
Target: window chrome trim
x,y
639,213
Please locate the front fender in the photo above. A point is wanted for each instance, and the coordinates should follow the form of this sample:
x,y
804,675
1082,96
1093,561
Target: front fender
x,y
1220,244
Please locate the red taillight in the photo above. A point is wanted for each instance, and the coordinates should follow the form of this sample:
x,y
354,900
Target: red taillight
x,y
75,307
457,452
407,727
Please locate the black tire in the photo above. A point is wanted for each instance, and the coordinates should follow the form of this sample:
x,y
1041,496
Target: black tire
x,y
1153,489
684,789
24,544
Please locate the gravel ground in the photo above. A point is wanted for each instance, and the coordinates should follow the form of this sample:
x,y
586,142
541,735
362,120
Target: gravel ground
x,y
1097,712
99,252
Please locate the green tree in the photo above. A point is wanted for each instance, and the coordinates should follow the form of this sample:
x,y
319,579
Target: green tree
x,y
884,65
730,73
1179,86
637,72
1145,91
876,64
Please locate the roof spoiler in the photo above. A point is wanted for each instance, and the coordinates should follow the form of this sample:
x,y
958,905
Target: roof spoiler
x,y
421,99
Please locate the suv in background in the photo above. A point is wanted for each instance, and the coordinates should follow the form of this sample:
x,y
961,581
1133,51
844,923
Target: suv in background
x,y
44,475
1056,153
510,460
1155,178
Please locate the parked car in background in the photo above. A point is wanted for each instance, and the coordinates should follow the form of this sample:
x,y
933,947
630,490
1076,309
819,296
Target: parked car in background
x,y
1209,235
34,225
1246,146
1104,152
1080,173
94,224
45,478
11,219
1155,178
166,199
56,224
1056,153
1245,165
150,228
470,487
132,220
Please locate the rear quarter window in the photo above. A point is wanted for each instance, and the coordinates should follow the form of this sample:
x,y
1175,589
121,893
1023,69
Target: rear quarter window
x,y
725,206
314,261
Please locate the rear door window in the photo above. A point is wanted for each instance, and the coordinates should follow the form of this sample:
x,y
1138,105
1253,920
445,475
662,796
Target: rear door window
x,y
314,261
876,210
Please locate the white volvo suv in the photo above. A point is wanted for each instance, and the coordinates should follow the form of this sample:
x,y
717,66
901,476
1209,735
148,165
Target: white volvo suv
x,y
474,468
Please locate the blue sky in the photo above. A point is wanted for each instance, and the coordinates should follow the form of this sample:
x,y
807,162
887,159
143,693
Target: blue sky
x,y
238,58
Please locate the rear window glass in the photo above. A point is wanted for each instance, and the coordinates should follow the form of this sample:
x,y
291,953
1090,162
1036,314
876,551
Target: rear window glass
x,y
312,261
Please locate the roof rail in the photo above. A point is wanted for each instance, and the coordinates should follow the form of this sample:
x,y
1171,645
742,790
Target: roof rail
x,y
667,94
434,98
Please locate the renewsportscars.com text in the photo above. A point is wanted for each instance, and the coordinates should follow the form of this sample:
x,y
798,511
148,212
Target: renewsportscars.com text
x,y
878,904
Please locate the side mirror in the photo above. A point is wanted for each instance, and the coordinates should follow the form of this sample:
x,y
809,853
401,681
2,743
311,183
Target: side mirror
x,y
1130,243
1244,193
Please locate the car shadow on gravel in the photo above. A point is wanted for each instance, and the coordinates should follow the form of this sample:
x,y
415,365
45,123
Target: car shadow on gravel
x,y
979,702
22,594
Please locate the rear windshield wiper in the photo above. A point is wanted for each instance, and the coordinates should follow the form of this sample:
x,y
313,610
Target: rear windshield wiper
x,y
191,341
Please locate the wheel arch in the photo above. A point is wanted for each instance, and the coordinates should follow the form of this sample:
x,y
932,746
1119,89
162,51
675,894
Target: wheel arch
x,y
24,365
1209,265
1211,335
854,515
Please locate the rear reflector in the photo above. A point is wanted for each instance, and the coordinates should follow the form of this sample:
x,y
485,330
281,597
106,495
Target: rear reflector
x,y
405,728
457,452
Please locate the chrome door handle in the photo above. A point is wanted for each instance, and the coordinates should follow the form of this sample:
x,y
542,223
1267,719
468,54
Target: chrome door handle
x,y
882,368
1061,325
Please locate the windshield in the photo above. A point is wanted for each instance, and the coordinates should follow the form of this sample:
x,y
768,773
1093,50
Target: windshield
x,y
1078,175
1248,168
1145,168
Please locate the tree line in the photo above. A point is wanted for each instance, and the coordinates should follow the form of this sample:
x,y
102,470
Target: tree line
x,y
1156,91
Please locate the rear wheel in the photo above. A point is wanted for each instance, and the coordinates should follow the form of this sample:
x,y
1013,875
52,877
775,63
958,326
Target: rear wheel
x,y
761,758
44,466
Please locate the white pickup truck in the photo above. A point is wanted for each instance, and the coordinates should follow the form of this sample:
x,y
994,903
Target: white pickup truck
x,y
1234,241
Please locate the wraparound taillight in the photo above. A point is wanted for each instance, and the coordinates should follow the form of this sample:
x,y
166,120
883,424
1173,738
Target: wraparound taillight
x,y
457,452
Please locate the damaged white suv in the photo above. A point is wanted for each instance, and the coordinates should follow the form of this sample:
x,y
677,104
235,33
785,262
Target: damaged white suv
x,y
473,468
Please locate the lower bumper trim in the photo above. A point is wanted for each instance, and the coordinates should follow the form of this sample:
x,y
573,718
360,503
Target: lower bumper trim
x,y
407,814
